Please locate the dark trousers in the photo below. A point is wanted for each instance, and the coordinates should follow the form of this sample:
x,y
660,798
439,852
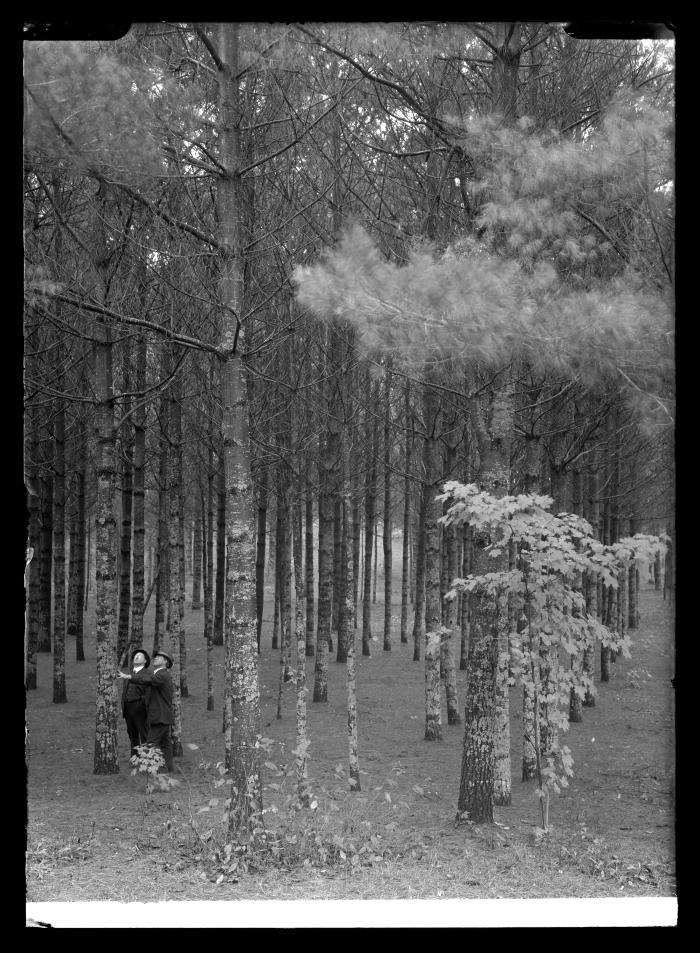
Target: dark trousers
x,y
136,726
159,734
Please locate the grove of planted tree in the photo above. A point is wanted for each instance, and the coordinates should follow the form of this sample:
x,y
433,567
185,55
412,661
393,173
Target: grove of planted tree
x,y
302,298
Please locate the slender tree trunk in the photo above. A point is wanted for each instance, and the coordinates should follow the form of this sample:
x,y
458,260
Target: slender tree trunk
x,y
302,739
309,566
433,612
419,606
387,535
453,716
325,576
592,582
336,599
343,620
127,489
633,586
197,543
45,562
370,504
285,572
59,538
184,690
376,563
406,534
465,610
162,563
139,491
32,586
353,761
174,435
105,761
209,579
260,549
220,591
356,542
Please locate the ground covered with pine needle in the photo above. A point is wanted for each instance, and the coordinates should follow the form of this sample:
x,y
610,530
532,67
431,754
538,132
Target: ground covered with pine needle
x,y
96,838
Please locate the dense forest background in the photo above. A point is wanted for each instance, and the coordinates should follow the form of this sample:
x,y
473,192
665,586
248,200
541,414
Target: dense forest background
x,y
283,283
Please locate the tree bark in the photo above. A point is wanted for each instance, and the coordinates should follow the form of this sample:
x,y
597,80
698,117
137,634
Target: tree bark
x,y
387,534
309,565
105,761
419,606
478,782
220,591
433,611
127,489
242,737
197,543
370,504
139,491
59,538
45,562
406,534
174,436
261,539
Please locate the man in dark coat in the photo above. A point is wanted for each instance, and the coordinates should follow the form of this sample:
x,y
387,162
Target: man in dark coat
x,y
135,701
160,703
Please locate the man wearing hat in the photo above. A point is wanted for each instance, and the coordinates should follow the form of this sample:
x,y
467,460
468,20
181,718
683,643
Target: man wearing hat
x,y
160,703
135,701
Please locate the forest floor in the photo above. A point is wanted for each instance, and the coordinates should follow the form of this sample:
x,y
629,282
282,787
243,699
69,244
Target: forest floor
x,y
105,838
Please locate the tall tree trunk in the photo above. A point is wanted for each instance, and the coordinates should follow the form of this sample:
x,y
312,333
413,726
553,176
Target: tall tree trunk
x,y
184,690
464,608
220,591
139,493
105,523
162,570
197,543
453,716
301,737
243,696
59,537
633,585
174,434
433,609
31,595
488,618
345,545
406,534
387,535
285,573
261,538
370,505
592,581
419,606
45,562
209,579
127,489
309,565
33,592
336,598
328,467
356,541
353,761
276,610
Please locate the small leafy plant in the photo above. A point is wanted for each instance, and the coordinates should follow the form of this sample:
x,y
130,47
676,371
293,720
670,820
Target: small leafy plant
x,y
149,760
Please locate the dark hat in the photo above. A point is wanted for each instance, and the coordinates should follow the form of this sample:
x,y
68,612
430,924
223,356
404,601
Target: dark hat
x,y
143,652
168,658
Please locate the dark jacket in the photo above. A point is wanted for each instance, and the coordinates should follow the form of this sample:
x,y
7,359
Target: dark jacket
x,y
160,703
134,691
